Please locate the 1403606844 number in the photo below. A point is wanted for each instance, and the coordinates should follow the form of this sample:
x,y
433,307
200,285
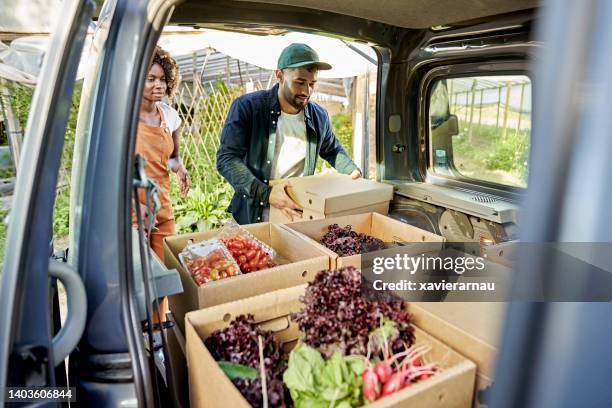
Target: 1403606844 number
x,y
33,394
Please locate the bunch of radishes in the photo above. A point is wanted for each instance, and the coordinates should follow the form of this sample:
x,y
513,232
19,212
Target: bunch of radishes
x,y
395,372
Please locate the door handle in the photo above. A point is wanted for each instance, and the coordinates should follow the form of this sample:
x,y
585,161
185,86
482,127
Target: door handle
x,y
69,335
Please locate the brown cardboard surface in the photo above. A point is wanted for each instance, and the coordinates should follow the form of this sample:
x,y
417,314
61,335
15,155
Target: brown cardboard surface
x,y
374,224
278,217
209,387
332,193
304,258
471,328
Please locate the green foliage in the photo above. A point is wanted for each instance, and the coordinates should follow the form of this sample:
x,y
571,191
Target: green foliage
x,y
61,214
61,210
233,370
378,337
206,204
511,156
315,382
21,102
342,126
22,99
490,157
201,210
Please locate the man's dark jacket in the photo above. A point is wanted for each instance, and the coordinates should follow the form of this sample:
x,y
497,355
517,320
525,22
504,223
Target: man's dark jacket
x,y
246,152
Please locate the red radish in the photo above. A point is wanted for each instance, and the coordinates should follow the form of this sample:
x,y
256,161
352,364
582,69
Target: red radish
x,y
383,371
421,373
371,387
395,383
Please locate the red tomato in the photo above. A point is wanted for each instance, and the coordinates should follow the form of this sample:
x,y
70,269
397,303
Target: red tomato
x,y
254,261
236,244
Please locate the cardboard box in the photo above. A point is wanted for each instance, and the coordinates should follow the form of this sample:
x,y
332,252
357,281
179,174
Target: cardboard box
x,y
376,225
300,259
333,195
278,217
209,387
471,328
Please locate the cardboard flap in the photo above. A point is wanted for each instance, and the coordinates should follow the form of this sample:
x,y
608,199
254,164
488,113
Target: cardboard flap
x,y
205,368
306,199
292,245
330,193
392,230
268,307
472,328
261,231
316,229
177,243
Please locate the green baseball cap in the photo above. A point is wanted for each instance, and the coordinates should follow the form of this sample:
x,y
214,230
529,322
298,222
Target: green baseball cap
x,y
300,55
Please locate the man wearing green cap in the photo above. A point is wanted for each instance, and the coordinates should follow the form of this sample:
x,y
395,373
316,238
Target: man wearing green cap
x,y
276,134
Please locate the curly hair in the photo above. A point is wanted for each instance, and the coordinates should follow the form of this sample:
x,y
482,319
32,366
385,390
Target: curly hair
x,y
170,67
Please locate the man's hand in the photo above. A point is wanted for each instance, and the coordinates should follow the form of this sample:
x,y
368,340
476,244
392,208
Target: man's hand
x,y
279,199
356,174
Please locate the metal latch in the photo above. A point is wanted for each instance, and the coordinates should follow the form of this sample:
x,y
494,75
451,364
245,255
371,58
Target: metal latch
x,y
398,148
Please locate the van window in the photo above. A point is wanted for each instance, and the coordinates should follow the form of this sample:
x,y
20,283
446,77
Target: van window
x,y
480,128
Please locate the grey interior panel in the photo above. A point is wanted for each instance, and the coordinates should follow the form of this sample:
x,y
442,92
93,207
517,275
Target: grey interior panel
x,y
413,13
472,203
167,281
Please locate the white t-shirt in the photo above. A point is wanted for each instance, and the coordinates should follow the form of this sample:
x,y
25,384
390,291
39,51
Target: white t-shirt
x,y
290,147
173,120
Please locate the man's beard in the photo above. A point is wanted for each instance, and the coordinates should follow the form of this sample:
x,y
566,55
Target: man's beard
x,y
293,99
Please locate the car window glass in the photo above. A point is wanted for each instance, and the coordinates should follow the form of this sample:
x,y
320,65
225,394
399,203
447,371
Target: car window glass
x,y
480,128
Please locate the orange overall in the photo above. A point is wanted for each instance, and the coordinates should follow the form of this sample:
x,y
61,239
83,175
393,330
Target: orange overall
x,y
155,145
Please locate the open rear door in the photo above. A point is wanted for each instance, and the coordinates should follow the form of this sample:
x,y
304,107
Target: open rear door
x,y
28,351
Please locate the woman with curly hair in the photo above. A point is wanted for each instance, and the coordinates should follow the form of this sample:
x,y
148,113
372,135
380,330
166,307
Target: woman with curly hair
x,y
159,129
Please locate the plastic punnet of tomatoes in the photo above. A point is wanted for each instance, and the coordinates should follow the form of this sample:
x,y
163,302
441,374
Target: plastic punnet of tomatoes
x,y
208,261
250,253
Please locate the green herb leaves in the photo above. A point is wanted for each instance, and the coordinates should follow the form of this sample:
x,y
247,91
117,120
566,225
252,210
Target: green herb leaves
x,y
314,382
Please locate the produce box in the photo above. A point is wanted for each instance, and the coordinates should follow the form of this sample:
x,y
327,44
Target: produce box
x,y
471,328
299,260
210,387
377,225
333,195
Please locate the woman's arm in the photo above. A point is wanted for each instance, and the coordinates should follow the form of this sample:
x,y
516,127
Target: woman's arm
x,y
176,137
176,164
